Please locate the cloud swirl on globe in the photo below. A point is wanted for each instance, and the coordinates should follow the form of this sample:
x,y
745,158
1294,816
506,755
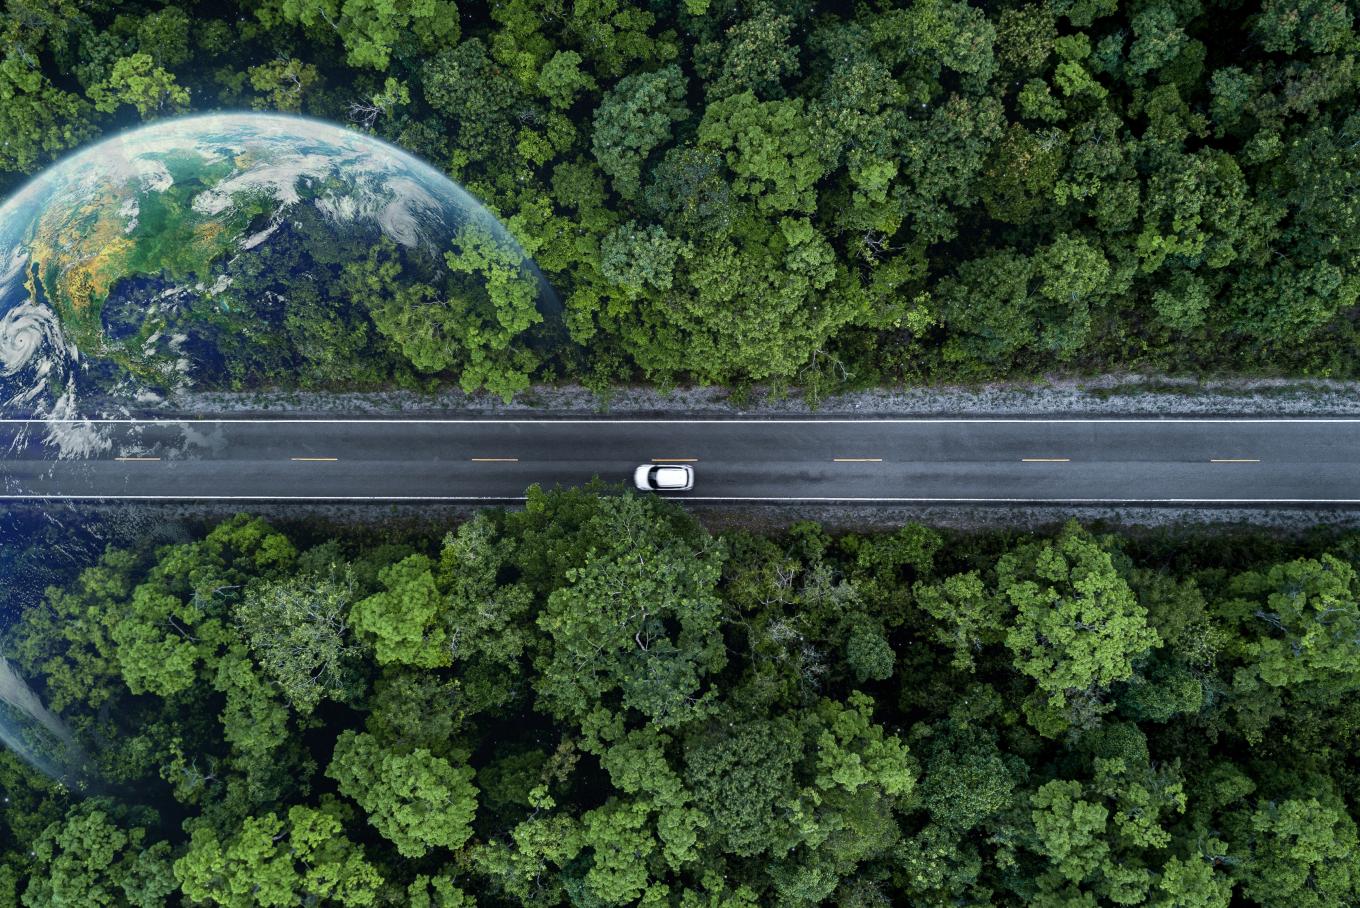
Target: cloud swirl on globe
x,y
33,353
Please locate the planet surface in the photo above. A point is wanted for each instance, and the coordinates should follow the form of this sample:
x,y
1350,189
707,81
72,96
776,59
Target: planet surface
x,y
190,251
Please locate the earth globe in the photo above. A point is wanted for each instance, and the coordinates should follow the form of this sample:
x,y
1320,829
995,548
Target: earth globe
x,y
148,261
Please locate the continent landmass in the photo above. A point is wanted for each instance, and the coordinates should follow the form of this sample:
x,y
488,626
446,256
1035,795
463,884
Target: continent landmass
x,y
123,231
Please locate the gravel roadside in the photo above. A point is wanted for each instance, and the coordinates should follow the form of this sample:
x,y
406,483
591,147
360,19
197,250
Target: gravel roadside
x,y
435,517
1109,395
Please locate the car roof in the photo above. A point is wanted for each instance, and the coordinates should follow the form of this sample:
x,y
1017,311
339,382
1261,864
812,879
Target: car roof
x,y
669,475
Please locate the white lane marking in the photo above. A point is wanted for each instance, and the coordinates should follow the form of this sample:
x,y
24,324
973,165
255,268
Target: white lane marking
x,y
1192,420
494,459
683,498
1233,460
857,460
315,459
1045,460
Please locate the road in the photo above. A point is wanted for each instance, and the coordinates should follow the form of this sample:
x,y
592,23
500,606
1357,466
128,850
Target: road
x,y
1077,461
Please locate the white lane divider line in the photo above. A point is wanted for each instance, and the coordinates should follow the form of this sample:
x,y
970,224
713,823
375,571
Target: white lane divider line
x,y
1233,460
1045,460
315,459
857,460
39,496
495,460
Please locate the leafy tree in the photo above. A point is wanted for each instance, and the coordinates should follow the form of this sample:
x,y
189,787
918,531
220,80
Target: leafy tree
x,y
1284,24
1302,626
1191,883
562,79
635,629
868,653
633,119
370,30
1070,830
408,313
287,84
970,617
941,158
172,627
255,725
403,620
437,892
297,630
1077,626
271,862
89,859
487,618
691,194
416,800
487,331
756,54
37,119
1300,852
477,97
743,779
769,147
138,80
639,258
164,35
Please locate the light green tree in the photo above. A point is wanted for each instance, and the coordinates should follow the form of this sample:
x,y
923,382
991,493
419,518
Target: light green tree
x,y
639,258
562,79
1302,626
38,121
770,147
416,800
138,80
370,29
969,616
91,860
404,621
1078,626
286,83
272,862
499,303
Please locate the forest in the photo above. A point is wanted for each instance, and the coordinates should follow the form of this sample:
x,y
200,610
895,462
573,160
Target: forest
x,y
795,192
595,701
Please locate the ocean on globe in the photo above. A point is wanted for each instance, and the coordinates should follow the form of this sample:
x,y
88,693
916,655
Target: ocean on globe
x,y
204,251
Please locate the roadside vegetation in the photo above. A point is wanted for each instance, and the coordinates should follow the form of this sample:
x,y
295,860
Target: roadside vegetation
x,y
595,702
797,192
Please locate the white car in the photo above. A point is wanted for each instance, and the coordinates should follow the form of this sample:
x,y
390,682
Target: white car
x,y
664,477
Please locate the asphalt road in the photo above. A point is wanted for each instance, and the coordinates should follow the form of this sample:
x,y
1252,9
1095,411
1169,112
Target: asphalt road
x,y
1086,461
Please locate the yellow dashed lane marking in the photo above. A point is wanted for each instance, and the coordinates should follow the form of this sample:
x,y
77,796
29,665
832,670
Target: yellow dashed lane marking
x,y
1045,460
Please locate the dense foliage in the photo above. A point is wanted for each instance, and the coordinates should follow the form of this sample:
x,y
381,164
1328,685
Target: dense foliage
x,y
788,190
595,702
